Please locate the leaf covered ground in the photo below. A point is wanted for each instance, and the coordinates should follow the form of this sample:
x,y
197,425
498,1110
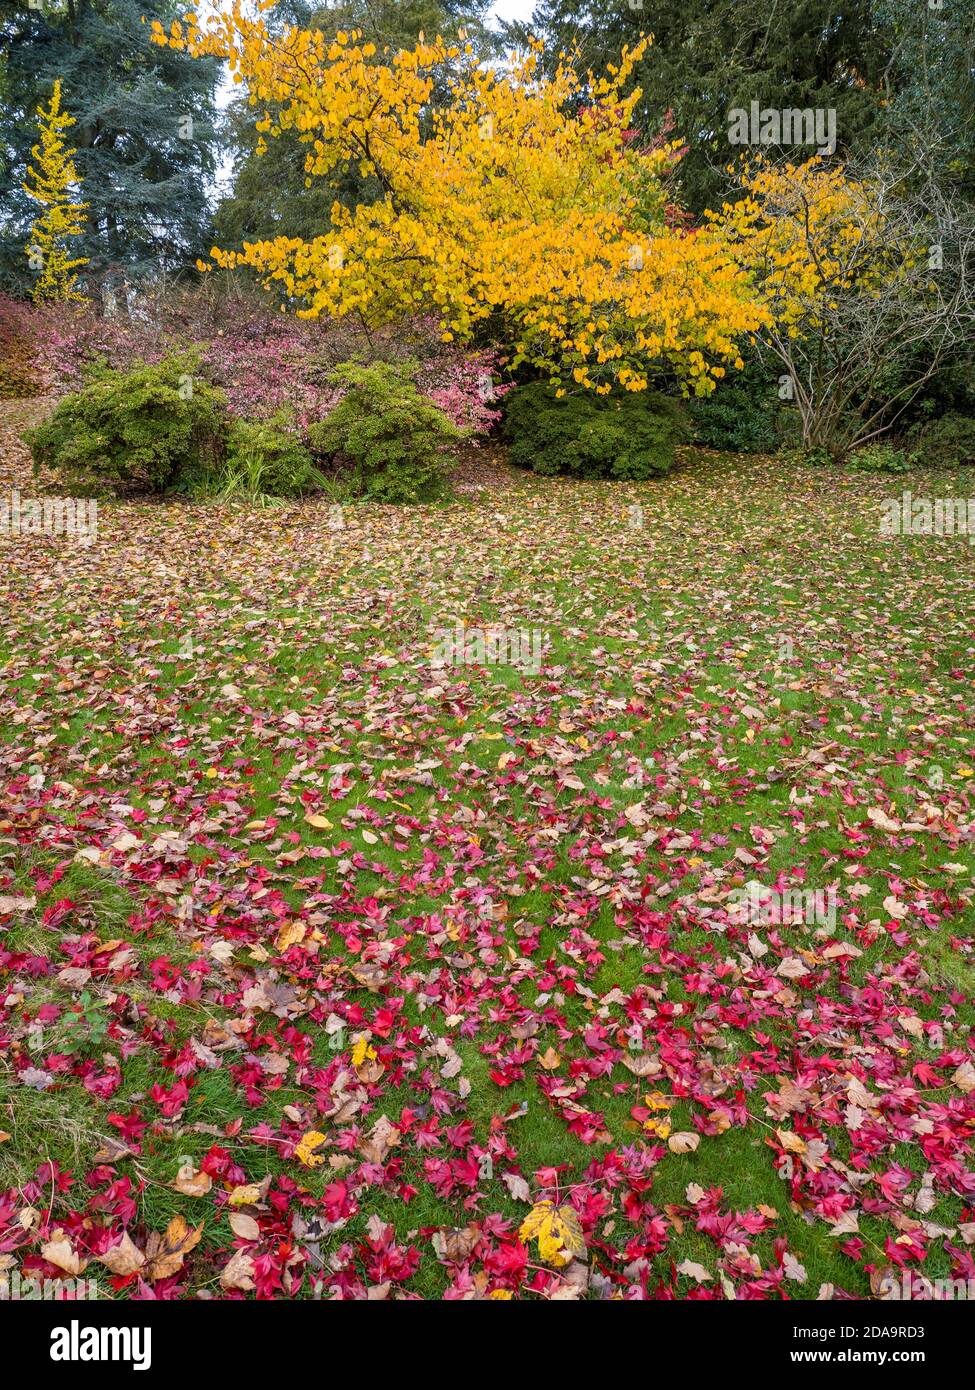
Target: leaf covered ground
x,y
326,970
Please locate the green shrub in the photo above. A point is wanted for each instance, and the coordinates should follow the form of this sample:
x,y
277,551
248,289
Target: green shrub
x,y
144,427
945,442
813,456
741,414
949,391
627,436
264,459
882,458
388,441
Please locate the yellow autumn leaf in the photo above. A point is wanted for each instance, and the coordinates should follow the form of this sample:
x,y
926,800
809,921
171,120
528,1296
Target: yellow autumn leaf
x,y
244,1195
656,1100
305,1152
362,1052
289,934
557,1231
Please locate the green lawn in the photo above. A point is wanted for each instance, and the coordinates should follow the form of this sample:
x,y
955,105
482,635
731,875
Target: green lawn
x,y
266,871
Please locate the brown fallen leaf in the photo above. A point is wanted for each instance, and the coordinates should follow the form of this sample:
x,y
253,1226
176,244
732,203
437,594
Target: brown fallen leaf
x,y
191,1183
684,1142
289,935
964,1077
165,1253
517,1186
60,1252
244,1226
16,904
238,1273
74,976
792,968
641,1065
790,1141
381,1138
124,1258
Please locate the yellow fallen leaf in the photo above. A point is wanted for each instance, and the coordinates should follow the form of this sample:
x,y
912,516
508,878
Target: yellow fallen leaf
x,y
305,1152
557,1230
165,1253
656,1100
362,1052
244,1195
661,1128
289,935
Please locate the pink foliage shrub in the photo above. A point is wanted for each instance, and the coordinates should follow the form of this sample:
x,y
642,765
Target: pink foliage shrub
x,y
68,337
265,361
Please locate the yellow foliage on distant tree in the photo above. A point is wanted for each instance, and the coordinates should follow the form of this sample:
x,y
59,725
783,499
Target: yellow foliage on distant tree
x,y
504,196
807,234
868,284
49,181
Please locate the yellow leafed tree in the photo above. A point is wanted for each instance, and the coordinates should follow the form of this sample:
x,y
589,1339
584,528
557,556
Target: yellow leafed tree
x,y
807,233
506,198
868,286
49,181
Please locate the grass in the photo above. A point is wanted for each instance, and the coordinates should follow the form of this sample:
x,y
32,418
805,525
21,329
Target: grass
x,y
219,723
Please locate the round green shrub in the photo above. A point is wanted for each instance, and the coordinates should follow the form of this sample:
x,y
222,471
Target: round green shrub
x,y
387,440
145,427
628,436
808,455
264,459
743,413
735,420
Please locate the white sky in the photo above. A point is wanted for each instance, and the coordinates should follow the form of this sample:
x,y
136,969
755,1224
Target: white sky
x,y
512,9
